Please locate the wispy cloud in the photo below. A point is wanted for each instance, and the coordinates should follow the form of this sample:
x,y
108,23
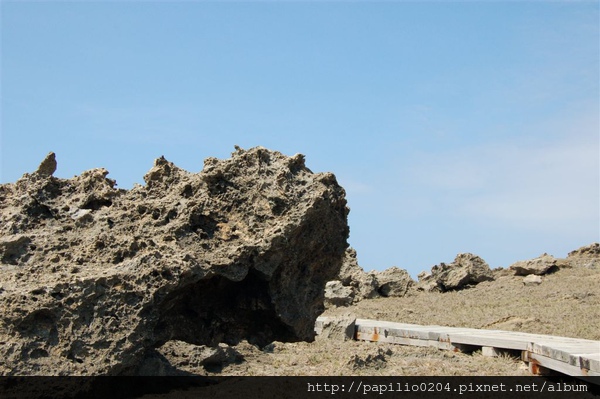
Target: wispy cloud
x,y
555,186
519,183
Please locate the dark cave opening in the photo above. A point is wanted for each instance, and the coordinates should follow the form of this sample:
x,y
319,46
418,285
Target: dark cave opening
x,y
218,310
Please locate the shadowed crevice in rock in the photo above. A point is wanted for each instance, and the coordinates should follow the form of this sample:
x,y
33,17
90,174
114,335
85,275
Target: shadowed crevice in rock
x,y
218,310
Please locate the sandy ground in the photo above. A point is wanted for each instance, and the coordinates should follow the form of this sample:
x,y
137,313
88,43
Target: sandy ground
x,y
567,303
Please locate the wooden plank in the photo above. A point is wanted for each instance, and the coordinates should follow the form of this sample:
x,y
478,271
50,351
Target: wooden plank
x,y
419,331
375,323
375,334
443,333
414,331
593,346
570,353
590,361
495,340
560,366
567,355
376,337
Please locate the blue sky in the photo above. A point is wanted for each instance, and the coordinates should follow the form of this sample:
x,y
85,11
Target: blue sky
x,y
454,126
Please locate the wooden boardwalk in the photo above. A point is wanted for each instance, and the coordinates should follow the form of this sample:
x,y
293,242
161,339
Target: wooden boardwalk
x,y
571,356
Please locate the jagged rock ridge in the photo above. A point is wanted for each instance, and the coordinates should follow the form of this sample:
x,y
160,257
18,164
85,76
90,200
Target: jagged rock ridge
x,y
92,277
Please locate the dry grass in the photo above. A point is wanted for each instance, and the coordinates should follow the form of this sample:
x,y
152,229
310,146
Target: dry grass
x,y
567,303
352,358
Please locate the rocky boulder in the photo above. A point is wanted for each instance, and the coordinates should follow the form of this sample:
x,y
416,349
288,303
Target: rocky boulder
x,y
93,277
364,285
337,294
354,284
393,282
539,266
587,256
532,280
467,269
340,328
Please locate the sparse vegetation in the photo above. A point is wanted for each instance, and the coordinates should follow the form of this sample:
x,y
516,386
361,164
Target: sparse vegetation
x,y
567,303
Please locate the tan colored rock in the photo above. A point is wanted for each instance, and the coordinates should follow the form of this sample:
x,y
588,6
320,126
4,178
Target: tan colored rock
x,y
340,328
364,285
467,269
47,166
587,256
336,294
539,266
13,247
393,282
93,277
532,280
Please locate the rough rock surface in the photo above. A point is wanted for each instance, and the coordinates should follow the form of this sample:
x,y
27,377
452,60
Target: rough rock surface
x,y
354,284
363,284
337,294
467,269
539,266
47,166
93,277
394,282
181,358
587,256
340,328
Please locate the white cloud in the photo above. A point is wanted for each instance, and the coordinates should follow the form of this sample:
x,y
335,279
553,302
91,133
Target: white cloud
x,y
517,183
555,186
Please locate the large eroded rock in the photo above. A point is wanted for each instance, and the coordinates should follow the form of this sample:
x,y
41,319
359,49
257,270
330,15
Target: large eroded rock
x,y
93,277
466,270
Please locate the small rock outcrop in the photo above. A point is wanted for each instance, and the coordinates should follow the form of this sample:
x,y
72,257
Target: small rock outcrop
x,y
93,277
532,280
340,328
539,266
354,284
393,282
467,269
47,166
364,285
337,294
587,256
